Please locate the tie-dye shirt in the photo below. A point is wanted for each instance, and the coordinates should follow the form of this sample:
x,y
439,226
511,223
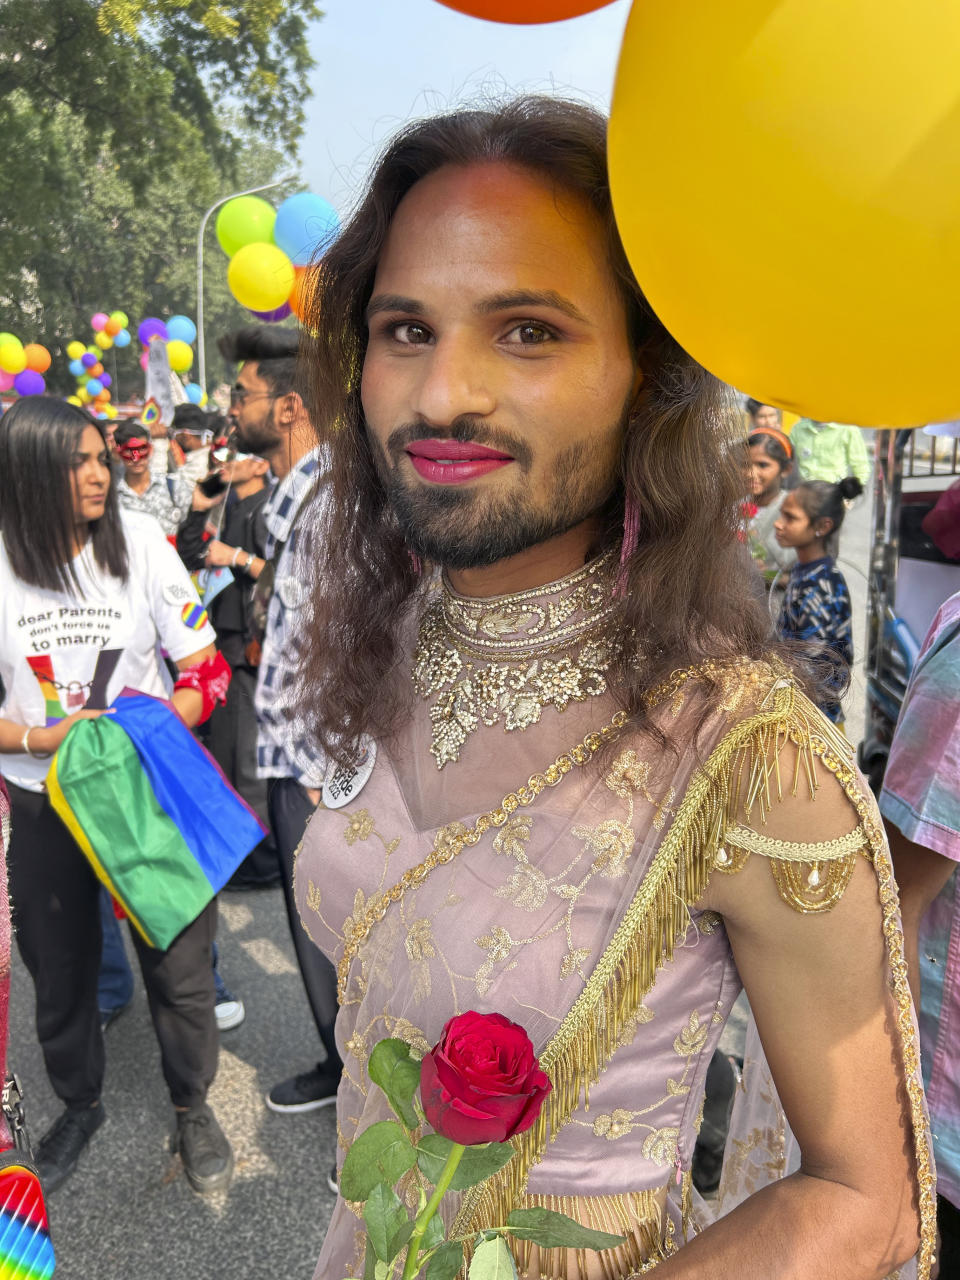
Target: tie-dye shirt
x,y
921,796
816,606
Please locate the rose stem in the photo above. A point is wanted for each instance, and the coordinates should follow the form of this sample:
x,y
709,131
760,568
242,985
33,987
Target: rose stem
x,y
410,1267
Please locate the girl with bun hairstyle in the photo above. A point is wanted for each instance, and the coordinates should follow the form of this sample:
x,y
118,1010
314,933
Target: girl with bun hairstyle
x,y
816,604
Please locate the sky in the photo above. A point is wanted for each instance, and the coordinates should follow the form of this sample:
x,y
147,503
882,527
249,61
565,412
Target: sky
x,y
381,63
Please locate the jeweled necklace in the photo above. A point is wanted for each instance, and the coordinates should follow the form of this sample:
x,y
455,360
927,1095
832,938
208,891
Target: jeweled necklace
x,y
505,658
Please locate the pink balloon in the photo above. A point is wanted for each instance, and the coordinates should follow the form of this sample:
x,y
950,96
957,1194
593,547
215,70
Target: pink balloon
x,y
98,320
144,361
6,381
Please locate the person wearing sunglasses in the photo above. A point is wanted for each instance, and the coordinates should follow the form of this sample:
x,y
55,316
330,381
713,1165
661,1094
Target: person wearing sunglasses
x,y
165,498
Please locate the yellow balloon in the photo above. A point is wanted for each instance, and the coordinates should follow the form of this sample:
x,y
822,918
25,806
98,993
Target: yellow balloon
x,y
103,340
84,396
74,400
786,179
260,277
13,358
75,349
180,355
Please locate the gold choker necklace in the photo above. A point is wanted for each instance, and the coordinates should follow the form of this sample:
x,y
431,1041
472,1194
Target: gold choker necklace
x,y
504,658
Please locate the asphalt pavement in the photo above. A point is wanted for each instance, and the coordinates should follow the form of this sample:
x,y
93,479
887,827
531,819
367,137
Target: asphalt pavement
x,y
128,1213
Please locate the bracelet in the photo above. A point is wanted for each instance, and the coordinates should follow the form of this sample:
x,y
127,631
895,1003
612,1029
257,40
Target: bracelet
x,y
24,742
236,552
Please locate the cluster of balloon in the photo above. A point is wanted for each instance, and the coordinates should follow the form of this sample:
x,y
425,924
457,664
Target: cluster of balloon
x,y
824,274
22,366
86,362
179,333
270,250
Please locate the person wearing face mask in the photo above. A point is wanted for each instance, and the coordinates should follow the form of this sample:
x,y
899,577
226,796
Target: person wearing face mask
x,y
573,780
269,417
238,549
166,498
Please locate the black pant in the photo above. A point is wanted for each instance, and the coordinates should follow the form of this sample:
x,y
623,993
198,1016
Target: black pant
x,y
290,810
56,916
232,741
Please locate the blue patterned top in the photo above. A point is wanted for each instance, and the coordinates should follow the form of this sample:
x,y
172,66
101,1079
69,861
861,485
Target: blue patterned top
x,y
816,607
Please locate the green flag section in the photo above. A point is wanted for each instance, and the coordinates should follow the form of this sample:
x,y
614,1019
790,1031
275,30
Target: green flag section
x,y
157,820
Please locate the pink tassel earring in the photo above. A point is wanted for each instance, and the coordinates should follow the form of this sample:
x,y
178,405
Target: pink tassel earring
x,y
631,537
416,564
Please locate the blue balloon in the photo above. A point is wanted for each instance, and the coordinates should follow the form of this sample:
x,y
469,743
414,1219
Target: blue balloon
x,y
306,224
181,329
194,392
77,369
122,339
94,386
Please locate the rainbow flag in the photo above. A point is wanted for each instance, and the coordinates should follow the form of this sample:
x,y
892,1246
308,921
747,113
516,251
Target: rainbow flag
x,y
25,1249
150,808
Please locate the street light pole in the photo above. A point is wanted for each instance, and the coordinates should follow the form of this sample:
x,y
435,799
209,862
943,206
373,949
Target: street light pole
x,y
201,347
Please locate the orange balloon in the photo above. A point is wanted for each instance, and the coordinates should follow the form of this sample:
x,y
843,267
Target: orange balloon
x,y
525,12
112,327
300,295
38,357
95,370
102,396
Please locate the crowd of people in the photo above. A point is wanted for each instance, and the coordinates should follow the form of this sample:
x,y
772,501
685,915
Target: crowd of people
x,y
471,573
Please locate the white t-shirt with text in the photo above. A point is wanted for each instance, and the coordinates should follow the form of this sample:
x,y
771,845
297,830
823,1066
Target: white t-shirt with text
x,y
60,652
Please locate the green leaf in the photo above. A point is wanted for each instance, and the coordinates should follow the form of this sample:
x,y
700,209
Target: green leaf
x,y
476,1164
381,1270
388,1227
434,1234
369,1262
557,1231
492,1260
382,1153
446,1262
392,1068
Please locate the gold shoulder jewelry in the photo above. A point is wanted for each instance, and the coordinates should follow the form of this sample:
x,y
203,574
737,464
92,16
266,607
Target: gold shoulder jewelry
x,y
452,839
503,659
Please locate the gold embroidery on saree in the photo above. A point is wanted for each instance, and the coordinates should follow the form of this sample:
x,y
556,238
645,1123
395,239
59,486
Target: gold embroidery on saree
x,y
743,770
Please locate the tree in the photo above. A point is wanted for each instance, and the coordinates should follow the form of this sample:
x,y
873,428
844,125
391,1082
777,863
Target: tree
x,y
82,239
130,72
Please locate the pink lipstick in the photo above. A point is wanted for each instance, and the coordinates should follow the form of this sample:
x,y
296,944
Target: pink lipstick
x,y
454,461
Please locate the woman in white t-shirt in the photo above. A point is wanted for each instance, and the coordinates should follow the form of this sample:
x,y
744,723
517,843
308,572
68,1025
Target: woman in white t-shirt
x,y
89,597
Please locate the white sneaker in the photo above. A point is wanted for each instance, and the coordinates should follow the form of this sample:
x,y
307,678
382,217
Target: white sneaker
x,y
230,1013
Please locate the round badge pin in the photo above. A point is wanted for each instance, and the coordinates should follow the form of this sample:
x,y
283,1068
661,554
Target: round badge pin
x,y
344,783
177,593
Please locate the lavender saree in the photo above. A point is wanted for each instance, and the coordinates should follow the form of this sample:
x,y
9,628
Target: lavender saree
x,y
568,903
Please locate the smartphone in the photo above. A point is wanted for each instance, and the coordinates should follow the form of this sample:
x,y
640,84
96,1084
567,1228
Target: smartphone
x,y
212,484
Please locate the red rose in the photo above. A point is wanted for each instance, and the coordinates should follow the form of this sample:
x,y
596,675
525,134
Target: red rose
x,y
482,1081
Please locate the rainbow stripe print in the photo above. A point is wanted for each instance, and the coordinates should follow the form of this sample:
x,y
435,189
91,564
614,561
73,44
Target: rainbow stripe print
x,y
194,616
42,668
26,1252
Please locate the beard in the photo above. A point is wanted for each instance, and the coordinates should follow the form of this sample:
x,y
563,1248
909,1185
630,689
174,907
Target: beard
x,y
466,527
261,438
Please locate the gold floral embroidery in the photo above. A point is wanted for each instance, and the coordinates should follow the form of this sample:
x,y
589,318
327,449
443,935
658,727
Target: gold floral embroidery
x,y
314,897
661,1146
498,944
421,949
616,1125
360,826
612,842
630,773
504,660
692,1037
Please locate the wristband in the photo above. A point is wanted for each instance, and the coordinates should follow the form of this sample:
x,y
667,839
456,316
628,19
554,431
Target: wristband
x,y
211,679
236,552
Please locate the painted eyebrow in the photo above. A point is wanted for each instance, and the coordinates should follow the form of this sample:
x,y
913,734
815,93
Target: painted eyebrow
x,y
487,306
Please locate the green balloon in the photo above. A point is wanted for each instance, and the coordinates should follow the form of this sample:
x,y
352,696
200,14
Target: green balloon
x,y
245,220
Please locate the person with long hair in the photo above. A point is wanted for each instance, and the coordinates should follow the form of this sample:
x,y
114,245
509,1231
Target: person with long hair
x,y
89,595
573,780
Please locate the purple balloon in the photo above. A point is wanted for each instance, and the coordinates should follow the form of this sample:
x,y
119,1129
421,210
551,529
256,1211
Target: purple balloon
x,y
88,359
152,328
29,383
106,380
272,317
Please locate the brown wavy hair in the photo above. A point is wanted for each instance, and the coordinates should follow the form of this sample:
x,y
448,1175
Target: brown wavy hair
x,y
691,594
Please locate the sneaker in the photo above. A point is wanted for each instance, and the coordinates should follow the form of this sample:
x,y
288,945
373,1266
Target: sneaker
x,y
230,1012
332,1181
64,1142
305,1092
204,1150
